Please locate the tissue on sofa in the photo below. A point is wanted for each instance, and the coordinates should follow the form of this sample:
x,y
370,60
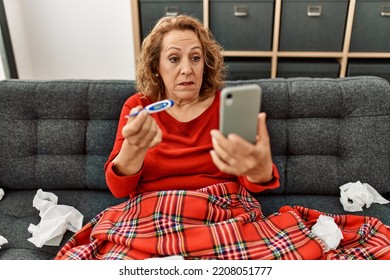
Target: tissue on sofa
x,y
3,241
353,196
55,220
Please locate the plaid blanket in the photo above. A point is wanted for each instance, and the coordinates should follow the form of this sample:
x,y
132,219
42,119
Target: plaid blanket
x,y
222,221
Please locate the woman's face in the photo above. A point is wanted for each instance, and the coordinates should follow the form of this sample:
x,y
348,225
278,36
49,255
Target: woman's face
x,y
181,65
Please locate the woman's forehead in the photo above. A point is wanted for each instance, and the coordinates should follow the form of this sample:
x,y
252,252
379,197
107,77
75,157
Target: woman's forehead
x,y
179,39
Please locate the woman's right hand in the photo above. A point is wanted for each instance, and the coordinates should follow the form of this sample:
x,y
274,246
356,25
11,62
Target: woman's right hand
x,y
140,133
141,130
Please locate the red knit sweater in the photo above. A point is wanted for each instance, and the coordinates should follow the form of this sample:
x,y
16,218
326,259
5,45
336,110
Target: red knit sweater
x,y
181,161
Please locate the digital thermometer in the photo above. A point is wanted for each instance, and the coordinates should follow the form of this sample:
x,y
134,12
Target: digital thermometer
x,y
155,107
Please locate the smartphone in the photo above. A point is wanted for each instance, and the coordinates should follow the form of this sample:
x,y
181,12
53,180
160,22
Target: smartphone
x,y
239,109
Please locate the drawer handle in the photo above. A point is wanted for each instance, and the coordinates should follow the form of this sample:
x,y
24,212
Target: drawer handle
x,y
385,11
240,11
314,11
171,11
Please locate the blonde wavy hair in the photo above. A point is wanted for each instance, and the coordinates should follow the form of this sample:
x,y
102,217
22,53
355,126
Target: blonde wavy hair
x,y
147,63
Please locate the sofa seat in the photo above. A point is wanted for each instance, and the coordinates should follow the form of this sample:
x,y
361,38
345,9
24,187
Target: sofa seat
x,y
325,203
17,213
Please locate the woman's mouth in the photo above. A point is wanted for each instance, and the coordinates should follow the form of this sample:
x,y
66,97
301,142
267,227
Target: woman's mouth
x,y
186,83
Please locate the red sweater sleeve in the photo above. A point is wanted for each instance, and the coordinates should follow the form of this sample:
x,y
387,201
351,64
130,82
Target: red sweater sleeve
x,y
122,186
255,188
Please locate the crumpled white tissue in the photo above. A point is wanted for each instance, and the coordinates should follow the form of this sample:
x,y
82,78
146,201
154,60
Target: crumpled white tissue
x,y
3,241
353,196
55,220
328,231
1,193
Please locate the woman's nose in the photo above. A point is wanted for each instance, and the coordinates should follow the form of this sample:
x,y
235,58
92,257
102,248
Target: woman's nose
x,y
186,68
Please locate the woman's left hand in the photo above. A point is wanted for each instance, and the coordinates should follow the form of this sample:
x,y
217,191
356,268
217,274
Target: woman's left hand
x,y
234,155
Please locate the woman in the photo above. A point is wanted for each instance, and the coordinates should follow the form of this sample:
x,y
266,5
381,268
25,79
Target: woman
x,y
171,150
188,184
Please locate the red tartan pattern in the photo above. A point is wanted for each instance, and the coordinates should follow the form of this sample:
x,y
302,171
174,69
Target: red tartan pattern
x,y
222,221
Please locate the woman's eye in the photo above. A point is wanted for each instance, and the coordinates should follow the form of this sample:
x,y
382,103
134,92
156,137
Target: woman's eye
x,y
173,59
196,58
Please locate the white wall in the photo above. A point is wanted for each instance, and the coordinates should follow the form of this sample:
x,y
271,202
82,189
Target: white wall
x,y
3,60
75,39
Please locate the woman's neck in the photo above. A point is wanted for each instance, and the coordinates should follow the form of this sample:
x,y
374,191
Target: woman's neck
x,y
186,111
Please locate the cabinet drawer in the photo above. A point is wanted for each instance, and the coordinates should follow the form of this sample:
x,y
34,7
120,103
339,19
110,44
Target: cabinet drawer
x,y
313,68
151,11
369,67
371,27
313,25
244,68
242,25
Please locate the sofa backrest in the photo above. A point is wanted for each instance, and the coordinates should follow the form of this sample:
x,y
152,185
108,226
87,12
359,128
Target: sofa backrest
x,y
324,132
58,134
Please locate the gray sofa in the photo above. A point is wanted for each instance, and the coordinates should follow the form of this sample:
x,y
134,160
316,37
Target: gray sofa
x,y
56,136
